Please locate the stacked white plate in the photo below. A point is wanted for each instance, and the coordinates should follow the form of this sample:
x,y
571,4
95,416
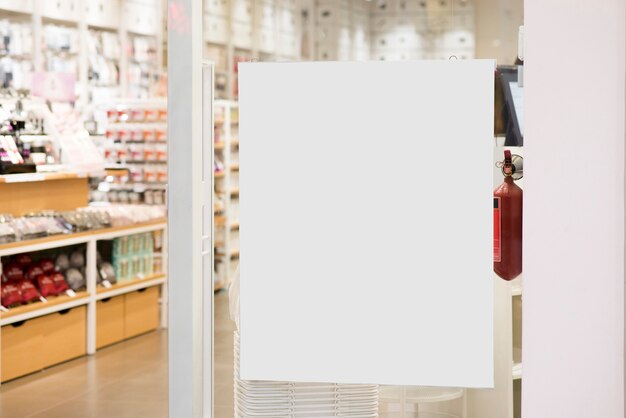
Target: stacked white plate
x,y
293,400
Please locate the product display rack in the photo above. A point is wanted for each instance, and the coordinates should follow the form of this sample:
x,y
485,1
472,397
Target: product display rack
x,y
126,18
226,148
93,292
135,150
245,30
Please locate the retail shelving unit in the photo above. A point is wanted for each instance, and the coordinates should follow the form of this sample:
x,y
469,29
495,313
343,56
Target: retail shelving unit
x,y
125,18
227,189
31,332
94,292
244,30
134,147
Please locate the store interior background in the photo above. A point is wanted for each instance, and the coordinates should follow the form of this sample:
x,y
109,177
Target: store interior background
x,y
116,51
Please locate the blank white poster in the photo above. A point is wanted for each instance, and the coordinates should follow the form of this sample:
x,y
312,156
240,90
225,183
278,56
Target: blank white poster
x,y
367,219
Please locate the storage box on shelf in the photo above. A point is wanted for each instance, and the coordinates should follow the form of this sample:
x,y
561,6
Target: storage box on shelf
x,y
31,345
125,316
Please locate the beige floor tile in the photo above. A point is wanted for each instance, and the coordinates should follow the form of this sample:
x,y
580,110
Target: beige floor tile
x,y
14,406
105,409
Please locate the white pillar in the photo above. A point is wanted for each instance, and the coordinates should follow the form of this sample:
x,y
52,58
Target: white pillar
x,y
190,173
573,316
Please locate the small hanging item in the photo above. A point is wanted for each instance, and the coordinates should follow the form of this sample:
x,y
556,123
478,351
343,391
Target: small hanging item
x,y
507,220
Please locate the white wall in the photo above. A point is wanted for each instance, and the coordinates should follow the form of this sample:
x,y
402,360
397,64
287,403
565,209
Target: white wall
x,y
574,209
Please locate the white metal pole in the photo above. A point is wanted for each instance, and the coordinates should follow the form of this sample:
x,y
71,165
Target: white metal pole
x,y
91,289
165,285
228,190
190,359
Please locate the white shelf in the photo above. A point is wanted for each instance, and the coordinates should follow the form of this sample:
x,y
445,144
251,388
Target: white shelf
x,y
34,310
130,286
64,240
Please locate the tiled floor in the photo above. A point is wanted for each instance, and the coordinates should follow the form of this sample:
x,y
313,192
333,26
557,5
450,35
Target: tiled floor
x,y
125,380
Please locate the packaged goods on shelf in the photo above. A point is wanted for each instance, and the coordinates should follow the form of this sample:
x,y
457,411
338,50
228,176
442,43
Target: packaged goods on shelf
x,y
122,215
36,136
49,223
103,53
133,142
133,256
15,52
142,67
61,48
35,277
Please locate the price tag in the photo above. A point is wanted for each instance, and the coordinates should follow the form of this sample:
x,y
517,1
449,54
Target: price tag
x,y
106,284
70,293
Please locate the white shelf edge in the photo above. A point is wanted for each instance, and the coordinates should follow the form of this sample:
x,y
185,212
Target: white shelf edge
x,y
124,232
130,288
45,311
517,371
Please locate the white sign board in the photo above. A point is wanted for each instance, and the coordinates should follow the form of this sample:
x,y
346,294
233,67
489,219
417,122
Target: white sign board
x,y
367,218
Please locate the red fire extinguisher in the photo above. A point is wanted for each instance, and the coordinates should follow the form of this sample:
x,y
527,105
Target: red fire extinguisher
x,y
507,222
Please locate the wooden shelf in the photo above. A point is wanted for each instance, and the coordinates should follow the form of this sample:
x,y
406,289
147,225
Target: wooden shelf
x,y
54,304
234,143
218,286
129,286
32,177
218,145
219,220
234,225
63,240
234,253
234,191
234,167
219,175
